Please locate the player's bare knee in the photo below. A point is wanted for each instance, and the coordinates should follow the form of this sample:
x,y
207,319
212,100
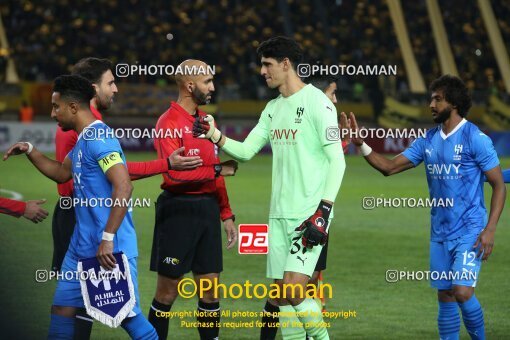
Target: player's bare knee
x,y
68,312
294,294
209,296
280,300
166,291
314,280
293,290
208,289
462,293
294,301
166,298
446,295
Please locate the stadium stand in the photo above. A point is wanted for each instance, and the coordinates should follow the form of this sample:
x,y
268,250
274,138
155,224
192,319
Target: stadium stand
x,y
227,33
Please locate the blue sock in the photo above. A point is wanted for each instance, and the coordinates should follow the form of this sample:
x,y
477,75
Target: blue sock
x,y
473,318
448,321
139,328
61,327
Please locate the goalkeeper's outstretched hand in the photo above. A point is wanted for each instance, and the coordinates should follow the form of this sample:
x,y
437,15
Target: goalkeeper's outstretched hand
x,y
315,227
203,127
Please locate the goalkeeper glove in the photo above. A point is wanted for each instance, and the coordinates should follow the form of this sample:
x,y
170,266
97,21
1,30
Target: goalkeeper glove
x,y
315,227
203,127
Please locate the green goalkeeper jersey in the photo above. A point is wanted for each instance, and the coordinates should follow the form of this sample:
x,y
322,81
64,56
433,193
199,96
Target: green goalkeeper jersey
x,y
302,130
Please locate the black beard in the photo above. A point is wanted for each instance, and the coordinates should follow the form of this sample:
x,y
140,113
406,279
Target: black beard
x,y
101,106
443,116
201,98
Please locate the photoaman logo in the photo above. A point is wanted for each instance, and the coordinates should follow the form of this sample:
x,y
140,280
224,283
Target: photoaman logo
x,y
253,239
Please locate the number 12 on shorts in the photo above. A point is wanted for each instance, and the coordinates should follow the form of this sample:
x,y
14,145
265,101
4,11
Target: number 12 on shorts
x,y
253,239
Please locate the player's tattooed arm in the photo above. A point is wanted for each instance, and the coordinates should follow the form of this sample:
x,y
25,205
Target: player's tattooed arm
x,y
485,241
384,165
54,170
122,188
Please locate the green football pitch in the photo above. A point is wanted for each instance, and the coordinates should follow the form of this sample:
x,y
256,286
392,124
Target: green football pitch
x,y
364,244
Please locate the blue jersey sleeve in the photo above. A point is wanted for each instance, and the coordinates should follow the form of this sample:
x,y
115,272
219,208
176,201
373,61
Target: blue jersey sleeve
x,y
483,151
102,147
414,153
506,175
107,152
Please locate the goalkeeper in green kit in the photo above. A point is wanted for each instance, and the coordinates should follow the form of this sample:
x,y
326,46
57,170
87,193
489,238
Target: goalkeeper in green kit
x,y
308,166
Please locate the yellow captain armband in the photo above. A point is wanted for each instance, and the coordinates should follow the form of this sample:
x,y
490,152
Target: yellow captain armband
x,y
110,160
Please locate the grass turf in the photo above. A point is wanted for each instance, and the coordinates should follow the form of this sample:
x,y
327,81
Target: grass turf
x,y
363,245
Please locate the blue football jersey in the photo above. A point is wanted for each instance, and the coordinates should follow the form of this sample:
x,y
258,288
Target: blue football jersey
x,y
92,186
455,164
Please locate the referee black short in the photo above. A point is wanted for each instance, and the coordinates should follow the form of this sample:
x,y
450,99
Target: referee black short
x,y
187,235
321,262
63,224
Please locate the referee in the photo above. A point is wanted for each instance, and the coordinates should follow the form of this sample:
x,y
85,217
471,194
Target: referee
x,y
31,210
187,232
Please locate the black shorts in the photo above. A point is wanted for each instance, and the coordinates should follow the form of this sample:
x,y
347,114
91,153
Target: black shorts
x,y
63,224
187,235
321,262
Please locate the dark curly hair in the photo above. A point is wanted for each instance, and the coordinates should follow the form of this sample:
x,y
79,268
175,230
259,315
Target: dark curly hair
x,y
321,82
455,92
92,68
74,87
280,48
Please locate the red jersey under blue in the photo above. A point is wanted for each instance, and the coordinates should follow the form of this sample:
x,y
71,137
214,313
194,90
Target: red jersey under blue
x,y
65,141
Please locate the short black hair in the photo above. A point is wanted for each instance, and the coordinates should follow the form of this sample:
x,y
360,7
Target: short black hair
x,y
321,82
92,68
455,92
280,48
74,87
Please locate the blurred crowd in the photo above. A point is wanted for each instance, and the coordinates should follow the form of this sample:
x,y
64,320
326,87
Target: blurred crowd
x,y
48,36
474,56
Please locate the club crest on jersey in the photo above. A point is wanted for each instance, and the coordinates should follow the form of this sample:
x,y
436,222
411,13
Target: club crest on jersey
x,y
80,155
320,222
458,150
299,112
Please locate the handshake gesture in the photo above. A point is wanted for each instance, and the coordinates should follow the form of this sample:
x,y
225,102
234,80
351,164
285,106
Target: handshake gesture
x,y
204,127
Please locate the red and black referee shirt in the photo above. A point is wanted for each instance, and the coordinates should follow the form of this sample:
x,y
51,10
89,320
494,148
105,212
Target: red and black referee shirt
x,y
177,124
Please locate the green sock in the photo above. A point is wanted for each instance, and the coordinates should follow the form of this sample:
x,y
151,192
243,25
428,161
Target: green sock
x,y
310,314
291,327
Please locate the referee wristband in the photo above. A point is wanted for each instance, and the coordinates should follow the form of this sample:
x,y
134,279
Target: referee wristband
x,y
365,149
30,147
108,236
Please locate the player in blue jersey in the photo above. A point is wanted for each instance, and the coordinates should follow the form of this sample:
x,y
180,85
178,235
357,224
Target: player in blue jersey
x,y
456,156
98,168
